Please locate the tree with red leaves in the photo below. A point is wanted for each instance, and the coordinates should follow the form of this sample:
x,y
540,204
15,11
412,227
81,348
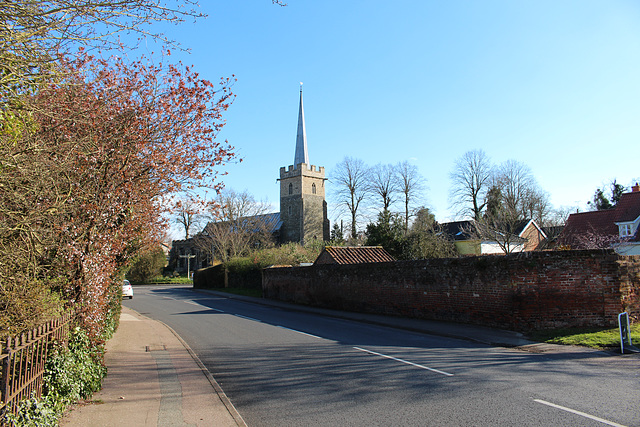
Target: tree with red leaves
x,y
87,182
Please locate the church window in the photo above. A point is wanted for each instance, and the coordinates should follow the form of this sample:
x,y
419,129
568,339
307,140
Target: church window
x,y
290,188
289,210
313,188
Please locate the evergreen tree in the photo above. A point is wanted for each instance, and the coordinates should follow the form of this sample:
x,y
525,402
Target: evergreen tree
x,y
601,201
424,239
388,232
337,235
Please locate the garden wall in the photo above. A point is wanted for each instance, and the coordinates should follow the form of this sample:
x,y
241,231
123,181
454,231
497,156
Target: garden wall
x,y
524,291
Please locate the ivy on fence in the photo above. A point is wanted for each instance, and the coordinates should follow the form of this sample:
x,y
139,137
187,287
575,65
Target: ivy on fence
x,y
23,362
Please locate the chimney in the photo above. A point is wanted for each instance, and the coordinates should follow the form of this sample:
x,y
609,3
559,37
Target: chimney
x,y
635,188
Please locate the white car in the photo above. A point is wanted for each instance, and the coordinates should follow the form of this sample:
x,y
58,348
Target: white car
x,y
127,289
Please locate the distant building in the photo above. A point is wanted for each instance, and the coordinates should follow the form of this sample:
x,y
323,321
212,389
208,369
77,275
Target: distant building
x,y
616,227
526,235
303,208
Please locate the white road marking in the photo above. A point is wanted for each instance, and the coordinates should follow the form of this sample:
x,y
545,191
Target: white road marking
x,y
202,305
405,361
582,414
300,332
248,318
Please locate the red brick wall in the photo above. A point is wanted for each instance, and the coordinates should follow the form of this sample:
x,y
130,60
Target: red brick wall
x,y
524,291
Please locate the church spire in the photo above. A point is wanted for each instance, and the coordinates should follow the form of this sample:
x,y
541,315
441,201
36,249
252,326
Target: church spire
x,y
302,156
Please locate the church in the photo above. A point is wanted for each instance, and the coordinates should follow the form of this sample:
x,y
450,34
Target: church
x,y
303,208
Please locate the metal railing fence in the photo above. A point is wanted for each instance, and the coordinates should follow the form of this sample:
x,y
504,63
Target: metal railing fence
x,y
23,360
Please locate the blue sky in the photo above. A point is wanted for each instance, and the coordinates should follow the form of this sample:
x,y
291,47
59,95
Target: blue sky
x,y
552,84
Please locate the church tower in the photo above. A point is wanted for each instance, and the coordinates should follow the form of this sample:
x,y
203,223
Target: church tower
x,y
303,209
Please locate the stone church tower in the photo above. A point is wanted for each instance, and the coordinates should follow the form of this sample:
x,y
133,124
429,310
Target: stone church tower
x,y
303,209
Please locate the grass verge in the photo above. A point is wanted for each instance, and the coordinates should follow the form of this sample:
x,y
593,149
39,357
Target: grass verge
x,y
594,337
166,281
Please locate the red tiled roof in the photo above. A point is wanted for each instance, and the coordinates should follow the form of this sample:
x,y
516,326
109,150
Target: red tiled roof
x,y
353,255
628,207
602,223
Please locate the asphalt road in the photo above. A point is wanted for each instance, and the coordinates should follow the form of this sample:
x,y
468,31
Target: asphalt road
x,y
290,368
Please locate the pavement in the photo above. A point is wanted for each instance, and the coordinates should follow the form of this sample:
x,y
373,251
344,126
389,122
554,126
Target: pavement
x,y
155,379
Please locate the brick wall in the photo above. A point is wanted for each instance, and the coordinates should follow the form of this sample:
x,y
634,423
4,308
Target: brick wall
x,y
524,291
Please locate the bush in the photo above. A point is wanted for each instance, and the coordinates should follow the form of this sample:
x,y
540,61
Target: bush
x,y
288,254
33,412
26,303
244,273
147,266
75,372
113,310
209,277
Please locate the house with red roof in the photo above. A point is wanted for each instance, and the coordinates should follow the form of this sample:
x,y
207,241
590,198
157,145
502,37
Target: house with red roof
x,y
612,228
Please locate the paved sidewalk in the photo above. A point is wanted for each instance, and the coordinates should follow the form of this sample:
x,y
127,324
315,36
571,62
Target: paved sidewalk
x,y
154,379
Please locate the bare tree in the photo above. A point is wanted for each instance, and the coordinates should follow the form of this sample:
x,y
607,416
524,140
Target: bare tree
x,y
188,215
384,183
353,186
238,223
34,33
516,183
471,178
558,217
502,227
521,195
411,184
536,206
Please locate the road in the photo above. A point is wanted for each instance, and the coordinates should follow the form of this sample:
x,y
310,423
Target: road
x,y
290,368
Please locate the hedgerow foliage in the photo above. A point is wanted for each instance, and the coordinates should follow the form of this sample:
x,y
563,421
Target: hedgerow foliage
x,y
85,184
90,151
147,266
287,254
87,164
246,271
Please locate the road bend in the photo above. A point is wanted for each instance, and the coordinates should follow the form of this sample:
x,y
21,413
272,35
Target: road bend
x,y
285,367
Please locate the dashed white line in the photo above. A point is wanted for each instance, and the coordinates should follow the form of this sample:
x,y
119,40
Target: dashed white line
x,y
405,361
582,414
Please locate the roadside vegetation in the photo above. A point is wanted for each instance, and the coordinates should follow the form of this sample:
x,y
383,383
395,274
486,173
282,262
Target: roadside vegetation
x,y
95,143
245,271
593,337
167,280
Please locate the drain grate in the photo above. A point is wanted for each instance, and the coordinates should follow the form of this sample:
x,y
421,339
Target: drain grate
x,y
150,348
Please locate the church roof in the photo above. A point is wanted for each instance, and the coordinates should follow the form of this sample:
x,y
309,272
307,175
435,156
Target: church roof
x,y
302,155
270,222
